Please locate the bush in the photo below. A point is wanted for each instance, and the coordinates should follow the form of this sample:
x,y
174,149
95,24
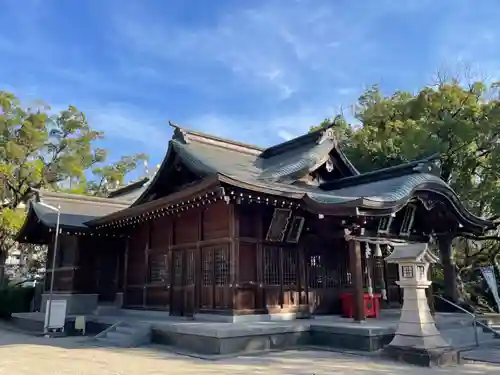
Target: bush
x,y
14,299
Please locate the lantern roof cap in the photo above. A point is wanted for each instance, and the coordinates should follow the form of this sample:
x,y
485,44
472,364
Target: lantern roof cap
x,y
413,252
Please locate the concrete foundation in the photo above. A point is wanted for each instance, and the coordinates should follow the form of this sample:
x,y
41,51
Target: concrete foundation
x,y
77,304
232,339
422,357
251,318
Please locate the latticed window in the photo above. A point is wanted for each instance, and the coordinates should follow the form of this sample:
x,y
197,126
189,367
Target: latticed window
x,y
407,271
208,266
177,267
221,260
190,267
158,268
407,224
279,224
327,272
384,224
295,229
271,265
289,260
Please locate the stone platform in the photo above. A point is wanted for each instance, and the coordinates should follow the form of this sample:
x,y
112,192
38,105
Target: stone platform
x,y
225,339
215,339
33,323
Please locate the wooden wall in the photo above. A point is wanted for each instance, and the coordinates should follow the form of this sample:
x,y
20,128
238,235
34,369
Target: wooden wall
x,y
305,277
181,263
66,264
86,264
271,275
212,258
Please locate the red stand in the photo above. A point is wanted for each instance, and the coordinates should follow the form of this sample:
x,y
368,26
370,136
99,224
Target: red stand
x,y
371,305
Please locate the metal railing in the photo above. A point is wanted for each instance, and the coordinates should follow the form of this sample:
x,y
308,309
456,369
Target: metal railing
x,y
475,321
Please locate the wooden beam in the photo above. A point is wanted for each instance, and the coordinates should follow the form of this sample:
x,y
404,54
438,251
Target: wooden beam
x,y
357,280
203,243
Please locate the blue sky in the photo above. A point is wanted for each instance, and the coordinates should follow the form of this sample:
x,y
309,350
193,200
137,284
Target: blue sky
x,y
258,71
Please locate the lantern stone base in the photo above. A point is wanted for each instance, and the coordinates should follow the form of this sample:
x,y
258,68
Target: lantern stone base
x,y
422,357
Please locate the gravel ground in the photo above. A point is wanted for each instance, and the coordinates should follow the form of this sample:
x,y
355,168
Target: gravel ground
x,y
27,355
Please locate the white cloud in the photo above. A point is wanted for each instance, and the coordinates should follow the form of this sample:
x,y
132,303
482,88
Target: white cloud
x,y
122,121
301,59
263,131
273,47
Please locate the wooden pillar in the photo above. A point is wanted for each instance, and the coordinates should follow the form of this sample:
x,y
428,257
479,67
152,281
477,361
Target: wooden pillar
x,y
234,254
355,266
125,271
146,266
260,302
198,263
430,292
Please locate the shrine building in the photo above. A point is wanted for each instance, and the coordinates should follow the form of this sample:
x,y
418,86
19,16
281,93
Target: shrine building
x,y
227,230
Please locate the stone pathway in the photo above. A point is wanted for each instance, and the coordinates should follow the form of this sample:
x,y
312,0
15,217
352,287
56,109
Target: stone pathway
x,y
491,355
27,355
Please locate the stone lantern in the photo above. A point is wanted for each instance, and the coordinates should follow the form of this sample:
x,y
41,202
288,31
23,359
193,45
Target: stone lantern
x,y
417,339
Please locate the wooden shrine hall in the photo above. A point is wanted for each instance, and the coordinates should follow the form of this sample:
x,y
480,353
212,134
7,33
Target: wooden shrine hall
x,y
229,229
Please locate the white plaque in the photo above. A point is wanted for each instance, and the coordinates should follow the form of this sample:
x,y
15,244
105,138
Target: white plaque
x,y
57,314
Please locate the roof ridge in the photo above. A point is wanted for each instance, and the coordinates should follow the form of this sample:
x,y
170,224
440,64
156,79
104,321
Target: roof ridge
x,y
208,138
316,136
81,197
125,188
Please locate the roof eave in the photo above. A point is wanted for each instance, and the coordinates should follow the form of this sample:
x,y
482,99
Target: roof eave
x,y
426,165
207,183
154,180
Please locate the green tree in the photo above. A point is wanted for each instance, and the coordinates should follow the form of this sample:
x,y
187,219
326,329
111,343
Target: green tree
x,y
110,176
460,123
43,150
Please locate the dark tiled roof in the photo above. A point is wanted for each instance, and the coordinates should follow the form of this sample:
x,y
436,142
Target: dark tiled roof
x,y
280,171
385,189
75,210
131,191
285,163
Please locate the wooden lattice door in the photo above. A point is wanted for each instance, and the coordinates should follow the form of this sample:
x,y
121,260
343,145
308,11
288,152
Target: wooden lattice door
x,y
177,297
189,282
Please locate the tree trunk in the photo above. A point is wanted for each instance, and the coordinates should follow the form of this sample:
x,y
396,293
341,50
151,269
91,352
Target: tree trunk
x,y
449,268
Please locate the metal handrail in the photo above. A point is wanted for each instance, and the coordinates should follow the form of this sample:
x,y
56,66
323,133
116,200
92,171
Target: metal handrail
x,y
475,322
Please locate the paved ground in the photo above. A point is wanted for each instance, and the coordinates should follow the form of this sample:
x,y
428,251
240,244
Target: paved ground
x,y
26,355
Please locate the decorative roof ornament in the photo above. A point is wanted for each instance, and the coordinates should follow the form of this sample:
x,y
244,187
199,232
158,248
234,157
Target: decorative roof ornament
x,y
329,165
328,134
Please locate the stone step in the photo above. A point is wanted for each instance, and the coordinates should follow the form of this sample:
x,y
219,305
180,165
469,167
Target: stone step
x,y
127,335
110,341
129,330
486,355
116,335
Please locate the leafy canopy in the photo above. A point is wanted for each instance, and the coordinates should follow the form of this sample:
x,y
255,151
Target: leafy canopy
x,y
42,149
461,124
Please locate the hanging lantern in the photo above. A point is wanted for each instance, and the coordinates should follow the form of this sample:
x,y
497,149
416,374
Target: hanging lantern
x,y
378,251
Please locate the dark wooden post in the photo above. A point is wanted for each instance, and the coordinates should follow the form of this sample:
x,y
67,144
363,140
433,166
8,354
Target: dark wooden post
x,y
234,254
430,292
125,272
355,266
